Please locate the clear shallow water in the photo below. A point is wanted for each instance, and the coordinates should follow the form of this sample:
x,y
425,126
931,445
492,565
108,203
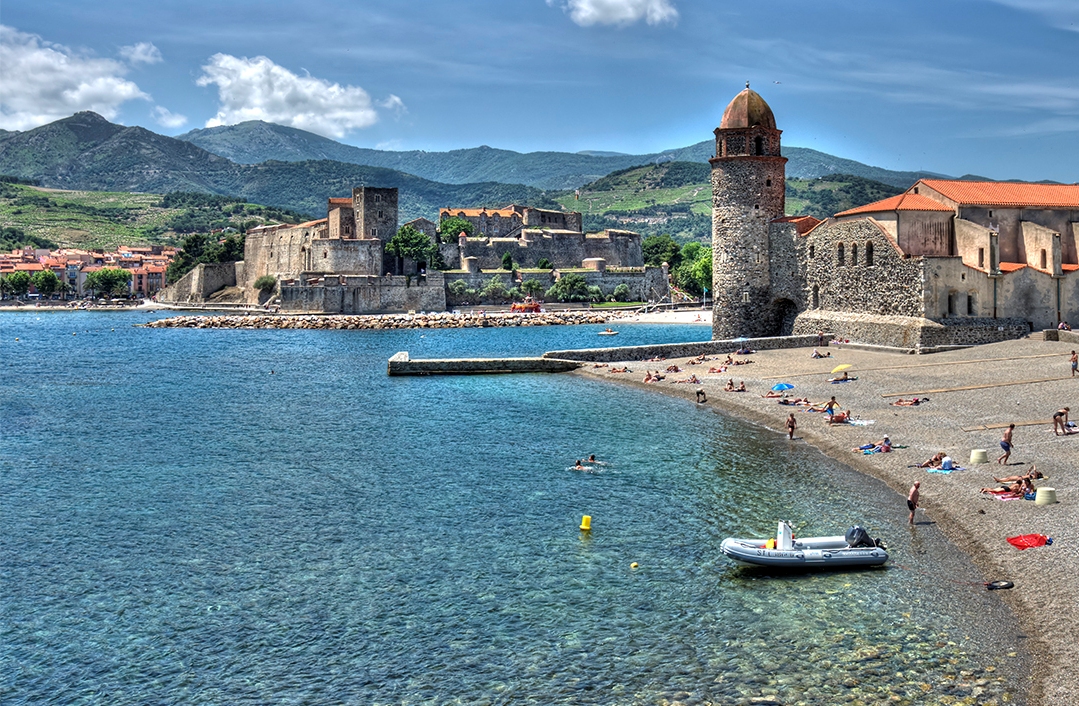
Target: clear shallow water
x,y
179,525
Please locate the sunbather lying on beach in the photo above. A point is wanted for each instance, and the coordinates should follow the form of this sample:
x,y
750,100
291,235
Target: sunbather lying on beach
x,y
912,402
744,351
882,446
692,379
796,400
600,365
673,369
1016,488
934,462
1032,474
720,369
842,378
772,395
839,418
656,359
621,370
818,354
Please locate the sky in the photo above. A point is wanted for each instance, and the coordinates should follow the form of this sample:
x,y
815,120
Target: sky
x,y
986,87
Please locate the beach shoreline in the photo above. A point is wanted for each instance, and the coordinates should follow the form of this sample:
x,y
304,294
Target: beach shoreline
x,y
1043,601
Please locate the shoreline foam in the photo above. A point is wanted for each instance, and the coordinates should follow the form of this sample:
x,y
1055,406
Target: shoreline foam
x,y
1044,601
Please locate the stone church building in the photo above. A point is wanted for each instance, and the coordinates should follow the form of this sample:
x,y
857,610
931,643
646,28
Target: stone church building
x,y
945,263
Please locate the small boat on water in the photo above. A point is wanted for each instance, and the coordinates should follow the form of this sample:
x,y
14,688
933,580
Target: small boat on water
x,y
855,548
608,332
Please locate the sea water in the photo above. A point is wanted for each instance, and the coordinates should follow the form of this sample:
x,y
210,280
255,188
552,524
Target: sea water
x,y
255,516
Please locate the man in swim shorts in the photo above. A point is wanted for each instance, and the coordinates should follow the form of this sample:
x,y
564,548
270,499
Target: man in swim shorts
x,y
791,426
1006,444
1074,360
912,499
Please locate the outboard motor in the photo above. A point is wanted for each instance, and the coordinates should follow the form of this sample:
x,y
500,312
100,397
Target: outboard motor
x,y
857,538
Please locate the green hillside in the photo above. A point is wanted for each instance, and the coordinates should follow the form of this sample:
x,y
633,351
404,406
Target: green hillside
x,y
99,219
676,198
87,153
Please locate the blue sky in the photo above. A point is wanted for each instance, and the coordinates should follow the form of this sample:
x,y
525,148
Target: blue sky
x,y
988,87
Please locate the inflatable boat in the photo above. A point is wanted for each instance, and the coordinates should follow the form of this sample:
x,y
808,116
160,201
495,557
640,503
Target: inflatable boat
x,y
855,548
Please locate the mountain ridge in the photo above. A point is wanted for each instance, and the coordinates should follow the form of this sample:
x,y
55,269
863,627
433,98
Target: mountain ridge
x,y
256,141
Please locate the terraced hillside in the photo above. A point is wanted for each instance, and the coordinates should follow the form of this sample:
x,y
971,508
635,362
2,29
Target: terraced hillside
x,y
676,198
103,219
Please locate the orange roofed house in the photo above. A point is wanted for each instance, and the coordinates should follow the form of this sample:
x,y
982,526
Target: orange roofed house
x,y
945,263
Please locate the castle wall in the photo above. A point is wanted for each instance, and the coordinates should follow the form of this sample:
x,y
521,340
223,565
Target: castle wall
x,y
376,212
645,283
563,248
365,295
927,233
891,285
199,283
1009,222
1040,241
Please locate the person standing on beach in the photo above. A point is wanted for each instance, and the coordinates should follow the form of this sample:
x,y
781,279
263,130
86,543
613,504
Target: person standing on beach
x,y
1006,444
831,406
791,426
1074,360
912,499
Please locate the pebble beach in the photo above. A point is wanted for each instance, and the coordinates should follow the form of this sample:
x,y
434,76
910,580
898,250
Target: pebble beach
x,y
972,393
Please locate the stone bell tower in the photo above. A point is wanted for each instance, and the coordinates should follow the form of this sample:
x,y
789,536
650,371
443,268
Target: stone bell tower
x,y
748,182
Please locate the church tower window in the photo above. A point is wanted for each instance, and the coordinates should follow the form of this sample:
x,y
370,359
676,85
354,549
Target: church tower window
x,y
854,253
841,256
869,254
758,145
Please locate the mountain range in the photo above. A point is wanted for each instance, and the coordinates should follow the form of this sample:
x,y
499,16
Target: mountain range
x,y
289,168
254,142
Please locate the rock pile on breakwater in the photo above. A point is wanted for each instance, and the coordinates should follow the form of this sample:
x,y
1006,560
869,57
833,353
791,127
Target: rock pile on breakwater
x,y
384,321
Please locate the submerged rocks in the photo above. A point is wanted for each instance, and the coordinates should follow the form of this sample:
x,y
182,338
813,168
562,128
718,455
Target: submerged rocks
x,y
384,321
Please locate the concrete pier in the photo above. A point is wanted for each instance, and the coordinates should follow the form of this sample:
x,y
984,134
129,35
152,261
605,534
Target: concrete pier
x,y
401,364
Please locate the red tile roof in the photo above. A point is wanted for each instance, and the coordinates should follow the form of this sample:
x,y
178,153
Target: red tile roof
x,y
310,224
803,224
1011,266
341,202
1006,194
1069,268
902,202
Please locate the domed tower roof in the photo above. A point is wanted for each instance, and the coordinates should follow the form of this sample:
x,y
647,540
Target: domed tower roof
x,y
747,109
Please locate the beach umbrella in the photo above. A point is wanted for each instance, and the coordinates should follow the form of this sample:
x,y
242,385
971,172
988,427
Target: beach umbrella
x,y
782,386
840,368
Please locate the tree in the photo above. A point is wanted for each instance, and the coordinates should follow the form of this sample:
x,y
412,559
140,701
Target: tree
x,y
266,283
544,264
110,280
658,249
495,290
449,229
201,248
18,283
571,287
702,270
532,287
507,261
45,282
621,292
64,288
411,244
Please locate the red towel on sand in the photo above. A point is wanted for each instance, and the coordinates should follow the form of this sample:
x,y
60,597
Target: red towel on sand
x,y
1026,541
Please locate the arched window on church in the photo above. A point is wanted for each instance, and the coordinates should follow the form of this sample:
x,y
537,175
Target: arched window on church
x,y
841,257
868,254
854,253
758,144
812,250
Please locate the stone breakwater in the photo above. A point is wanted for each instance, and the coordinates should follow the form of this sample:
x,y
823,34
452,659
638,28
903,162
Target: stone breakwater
x,y
385,321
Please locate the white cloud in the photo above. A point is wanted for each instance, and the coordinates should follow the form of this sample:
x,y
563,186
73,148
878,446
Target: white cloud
x,y
259,89
395,104
166,118
1063,14
42,82
618,12
141,53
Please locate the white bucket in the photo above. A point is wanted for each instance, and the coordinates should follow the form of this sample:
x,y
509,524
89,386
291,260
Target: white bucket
x,y
1045,496
978,456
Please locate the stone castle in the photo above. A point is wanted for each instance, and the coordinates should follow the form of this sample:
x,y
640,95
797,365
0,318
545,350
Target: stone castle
x,y
946,263
339,264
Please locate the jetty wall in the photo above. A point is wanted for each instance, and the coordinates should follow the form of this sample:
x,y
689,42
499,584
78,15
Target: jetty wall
x,y
682,350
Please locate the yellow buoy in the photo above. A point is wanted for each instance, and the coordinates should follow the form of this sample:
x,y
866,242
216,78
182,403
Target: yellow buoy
x,y
633,565
586,523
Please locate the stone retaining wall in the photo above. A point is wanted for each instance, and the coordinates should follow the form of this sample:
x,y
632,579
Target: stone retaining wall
x,y
682,350
401,364
199,283
910,331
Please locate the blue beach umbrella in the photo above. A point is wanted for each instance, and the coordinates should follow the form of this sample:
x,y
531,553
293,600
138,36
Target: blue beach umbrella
x,y
782,386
